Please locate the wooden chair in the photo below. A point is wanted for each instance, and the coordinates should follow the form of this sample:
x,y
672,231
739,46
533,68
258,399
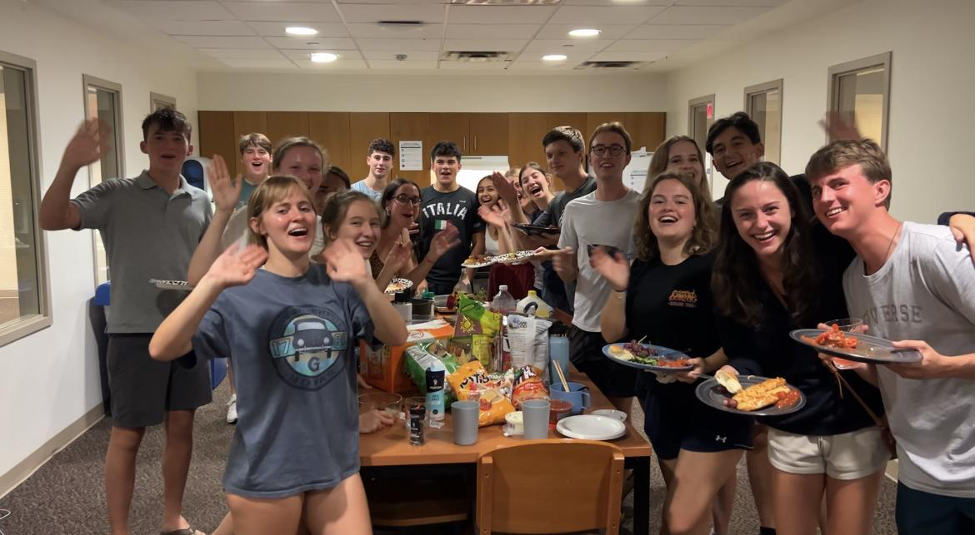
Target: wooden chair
x,y
550,486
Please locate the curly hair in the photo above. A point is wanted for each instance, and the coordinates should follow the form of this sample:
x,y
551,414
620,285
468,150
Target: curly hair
x,y
381,145
703,237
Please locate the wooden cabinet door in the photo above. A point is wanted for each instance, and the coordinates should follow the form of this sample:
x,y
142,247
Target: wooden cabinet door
x,y
331,130
412,127
489,133
526,131
216,134
596,119
364,127
286,124
647,129
449,127
246,122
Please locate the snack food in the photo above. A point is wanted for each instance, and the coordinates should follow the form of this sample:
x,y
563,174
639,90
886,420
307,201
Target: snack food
x,y
398,285
493,396
833,338
729,381
527,383
761,395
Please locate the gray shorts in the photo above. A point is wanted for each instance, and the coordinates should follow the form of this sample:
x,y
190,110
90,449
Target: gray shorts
x,y
143,389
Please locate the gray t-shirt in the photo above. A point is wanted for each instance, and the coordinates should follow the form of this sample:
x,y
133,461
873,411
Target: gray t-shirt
x,y
554,210
925,291
588,221
363,188
148,234
291,343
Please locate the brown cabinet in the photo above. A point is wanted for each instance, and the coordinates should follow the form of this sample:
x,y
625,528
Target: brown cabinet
x,y
331,130
489,134
216,135
285,124
364,127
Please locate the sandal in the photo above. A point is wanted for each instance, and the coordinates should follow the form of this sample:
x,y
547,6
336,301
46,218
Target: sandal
x,y
184,531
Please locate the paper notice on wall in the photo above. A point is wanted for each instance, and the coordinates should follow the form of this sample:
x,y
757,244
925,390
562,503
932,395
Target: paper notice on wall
x,y
636,172
411,156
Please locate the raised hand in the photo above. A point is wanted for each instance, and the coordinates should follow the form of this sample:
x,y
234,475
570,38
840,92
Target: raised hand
x,y
507,192
838,129
344,263
491,216
236,266
226,192
443,242
614,269
89,144
400,253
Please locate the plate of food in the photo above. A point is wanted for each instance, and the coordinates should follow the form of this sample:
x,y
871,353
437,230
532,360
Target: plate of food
x,y
750,394
536,229
398,285
478,261
171,285
648,357
511,258
855,346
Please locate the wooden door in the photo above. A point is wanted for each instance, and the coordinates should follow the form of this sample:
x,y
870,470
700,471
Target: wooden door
x,y
412,127
489,134
246,122
364,127
647,129
216,134
286,124
526,131
331,130
449,127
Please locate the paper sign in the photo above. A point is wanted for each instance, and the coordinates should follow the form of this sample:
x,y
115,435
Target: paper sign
x,y
411,156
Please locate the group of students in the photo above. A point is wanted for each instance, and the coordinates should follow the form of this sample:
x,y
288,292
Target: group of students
x,y
289,268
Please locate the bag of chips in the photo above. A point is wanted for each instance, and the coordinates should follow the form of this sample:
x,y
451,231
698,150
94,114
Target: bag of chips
x,y
423,357
480,325
527,383
470,380
527,340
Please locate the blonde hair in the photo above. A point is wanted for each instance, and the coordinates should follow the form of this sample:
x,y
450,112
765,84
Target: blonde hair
x,y
290,143
659,162
274,189
337,205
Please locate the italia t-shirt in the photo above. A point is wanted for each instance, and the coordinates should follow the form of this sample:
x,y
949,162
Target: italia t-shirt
x,y
438,210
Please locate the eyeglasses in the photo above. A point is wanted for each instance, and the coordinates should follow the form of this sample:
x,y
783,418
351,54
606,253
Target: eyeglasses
x,y
600,150
403,198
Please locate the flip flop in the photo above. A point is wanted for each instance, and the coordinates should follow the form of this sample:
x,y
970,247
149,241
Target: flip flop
x,y
184,531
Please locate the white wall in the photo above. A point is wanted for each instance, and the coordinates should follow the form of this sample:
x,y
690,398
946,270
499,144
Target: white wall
x,y
501,92
50,379
931,107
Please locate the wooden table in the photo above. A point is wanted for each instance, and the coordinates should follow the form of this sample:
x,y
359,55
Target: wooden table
x,y
389,448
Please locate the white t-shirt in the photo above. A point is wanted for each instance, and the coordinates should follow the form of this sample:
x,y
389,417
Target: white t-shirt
x,y
237,231
588,221
925,291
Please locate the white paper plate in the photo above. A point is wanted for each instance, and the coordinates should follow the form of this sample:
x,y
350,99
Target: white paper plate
x,y
611,413
590,427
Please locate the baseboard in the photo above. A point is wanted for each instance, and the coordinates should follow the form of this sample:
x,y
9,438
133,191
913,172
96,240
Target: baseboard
x,y
24,469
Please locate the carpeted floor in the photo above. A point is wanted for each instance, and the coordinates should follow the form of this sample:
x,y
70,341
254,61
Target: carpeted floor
x,y
66,495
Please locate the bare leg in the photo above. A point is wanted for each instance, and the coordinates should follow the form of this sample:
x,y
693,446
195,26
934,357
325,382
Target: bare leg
x,y
668,474
120,475
823,515
851,504
341,510
622,404
722,506
176,465
698,478
760,472
226,526
797,502
254,516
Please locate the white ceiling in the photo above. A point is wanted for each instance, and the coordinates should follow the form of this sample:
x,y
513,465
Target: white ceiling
x,y
250,35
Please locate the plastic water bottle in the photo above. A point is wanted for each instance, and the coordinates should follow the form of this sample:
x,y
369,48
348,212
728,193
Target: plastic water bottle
x,y
503,302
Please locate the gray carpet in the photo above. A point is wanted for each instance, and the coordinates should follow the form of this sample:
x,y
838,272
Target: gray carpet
x,y
66,496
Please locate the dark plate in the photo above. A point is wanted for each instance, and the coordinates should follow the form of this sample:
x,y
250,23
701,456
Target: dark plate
x,y
663,353
870,349
535,229
713,394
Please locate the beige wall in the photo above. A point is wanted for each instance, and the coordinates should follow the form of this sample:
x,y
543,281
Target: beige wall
x,y
50,379
503,92
931,128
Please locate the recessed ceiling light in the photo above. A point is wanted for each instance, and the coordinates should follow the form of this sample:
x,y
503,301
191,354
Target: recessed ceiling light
x,y
300,30
584,32
323,57
554,57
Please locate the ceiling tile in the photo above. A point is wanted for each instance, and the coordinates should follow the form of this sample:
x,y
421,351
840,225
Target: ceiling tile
x,y
732,3
706,15
472,66
338,65
313,43
412,55
628,56
607,31
242,53
536,56
259,63
277,29
172,10
650,45
484,45
392,31
399,44
605,15
538,66
202,41
209,27
281,11
565,44
621,2
678,31
303,55
491,31
499,14
374,13
394,65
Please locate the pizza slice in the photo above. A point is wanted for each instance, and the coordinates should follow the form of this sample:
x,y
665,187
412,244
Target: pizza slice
x,y
761,395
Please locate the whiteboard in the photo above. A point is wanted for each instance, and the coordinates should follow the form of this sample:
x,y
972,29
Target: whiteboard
x,y
636,173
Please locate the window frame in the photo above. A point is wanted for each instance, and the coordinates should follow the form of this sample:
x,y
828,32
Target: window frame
x,y
118,130
766,87
155,98
693,103
835,72
28,325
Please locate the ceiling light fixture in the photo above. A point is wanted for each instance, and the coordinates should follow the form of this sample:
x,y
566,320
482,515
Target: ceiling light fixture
x,y
300,30
323,57
554,57
584,32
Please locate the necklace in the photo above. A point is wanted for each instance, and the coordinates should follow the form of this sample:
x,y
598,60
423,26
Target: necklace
x,y
891,241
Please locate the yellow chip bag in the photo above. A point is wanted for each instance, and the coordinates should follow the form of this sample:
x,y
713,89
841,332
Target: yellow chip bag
x,y
470,380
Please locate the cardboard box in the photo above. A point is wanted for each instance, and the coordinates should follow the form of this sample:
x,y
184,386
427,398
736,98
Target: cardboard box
x,y
385,368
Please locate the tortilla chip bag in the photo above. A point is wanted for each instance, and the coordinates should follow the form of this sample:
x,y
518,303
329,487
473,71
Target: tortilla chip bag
x,y
471,379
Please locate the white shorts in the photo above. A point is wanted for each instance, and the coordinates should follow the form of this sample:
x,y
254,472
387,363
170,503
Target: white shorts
x,y
846,456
